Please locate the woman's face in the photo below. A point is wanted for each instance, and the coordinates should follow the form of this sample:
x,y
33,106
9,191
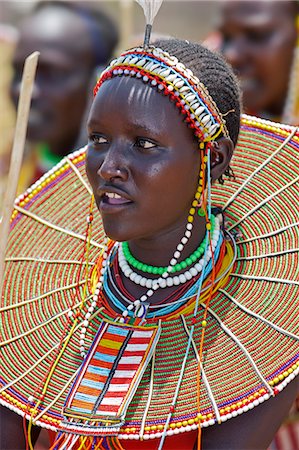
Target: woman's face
x,y
258,41
142,161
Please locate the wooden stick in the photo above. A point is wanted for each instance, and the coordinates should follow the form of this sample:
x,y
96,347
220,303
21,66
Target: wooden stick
x,y
17,153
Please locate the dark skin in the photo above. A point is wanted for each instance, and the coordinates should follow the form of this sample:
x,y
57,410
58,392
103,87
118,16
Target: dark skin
x,y
139,159
64,69
258,40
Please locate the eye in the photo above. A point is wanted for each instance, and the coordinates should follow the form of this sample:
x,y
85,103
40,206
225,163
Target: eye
x,y
97,139
144,143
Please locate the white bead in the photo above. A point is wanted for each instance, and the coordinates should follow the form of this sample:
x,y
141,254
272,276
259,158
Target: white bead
x,y
94,304
130,307
83,330
121,320
85,323
127,272
193,271
133,276
82,349
142,281
30,399
82,354
184,240
189,226
182,278
138,278
70,313
180,247
81,342
177,255
173,262
176,281
188,233
137,302
91,309
163,283
149,283
82,336
88,315
169,282
125,313
143,298
188,275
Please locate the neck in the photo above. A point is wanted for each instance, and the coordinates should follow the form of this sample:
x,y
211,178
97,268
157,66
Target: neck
x,y
158,250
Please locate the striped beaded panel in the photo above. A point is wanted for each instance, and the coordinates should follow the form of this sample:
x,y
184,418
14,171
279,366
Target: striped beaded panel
x,y
109,375
251,341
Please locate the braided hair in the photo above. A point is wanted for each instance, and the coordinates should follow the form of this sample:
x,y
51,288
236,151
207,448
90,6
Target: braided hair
x,y
214,73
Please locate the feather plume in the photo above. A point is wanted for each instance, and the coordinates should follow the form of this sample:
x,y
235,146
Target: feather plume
x,y
150,9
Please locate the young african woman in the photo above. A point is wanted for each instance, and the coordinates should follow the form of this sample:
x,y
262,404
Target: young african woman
x,y
178,314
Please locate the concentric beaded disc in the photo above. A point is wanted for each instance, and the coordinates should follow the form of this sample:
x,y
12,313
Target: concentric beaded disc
x,y
251,343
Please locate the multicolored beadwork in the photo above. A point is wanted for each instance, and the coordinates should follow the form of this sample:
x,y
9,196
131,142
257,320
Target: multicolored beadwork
x,y
170,77
256,306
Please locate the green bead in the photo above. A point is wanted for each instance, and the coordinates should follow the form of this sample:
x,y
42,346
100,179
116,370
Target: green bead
x,y
201,212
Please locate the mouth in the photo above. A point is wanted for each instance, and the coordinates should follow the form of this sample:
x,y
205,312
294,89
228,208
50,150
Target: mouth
x,y
111,202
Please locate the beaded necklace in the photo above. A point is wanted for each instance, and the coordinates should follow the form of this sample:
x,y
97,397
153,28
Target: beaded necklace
x,y
160,270
171,306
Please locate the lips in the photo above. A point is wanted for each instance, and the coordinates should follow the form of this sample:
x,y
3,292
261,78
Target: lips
x,y
112,202
111,198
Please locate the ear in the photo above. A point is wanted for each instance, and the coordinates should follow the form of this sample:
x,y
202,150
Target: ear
x,y
221,154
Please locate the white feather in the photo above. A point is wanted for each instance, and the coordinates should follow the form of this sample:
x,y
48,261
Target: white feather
x,y
150,9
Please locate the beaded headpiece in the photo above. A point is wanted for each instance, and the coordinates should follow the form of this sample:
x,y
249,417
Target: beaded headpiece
x,y
165,73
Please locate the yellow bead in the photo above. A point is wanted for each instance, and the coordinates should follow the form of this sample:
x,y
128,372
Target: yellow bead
x,y
280,376
197,195
285,374
290,371
148,428
276,380
185,423
179,424
194,203
192,211
153,427
133,430
271,383
204,323
160,427
201,145
208,226
190,219
172,425
191,421
205,158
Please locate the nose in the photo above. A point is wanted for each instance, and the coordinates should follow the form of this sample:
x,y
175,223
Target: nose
x,y
234,52
115,164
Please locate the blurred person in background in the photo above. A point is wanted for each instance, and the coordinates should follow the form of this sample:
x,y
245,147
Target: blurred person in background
x,y
260,41
74,40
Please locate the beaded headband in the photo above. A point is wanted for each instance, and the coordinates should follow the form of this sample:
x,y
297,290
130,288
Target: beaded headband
x,y
162,71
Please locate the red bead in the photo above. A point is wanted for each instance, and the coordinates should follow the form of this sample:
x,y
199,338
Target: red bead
x,y
276,391
193,320
171,409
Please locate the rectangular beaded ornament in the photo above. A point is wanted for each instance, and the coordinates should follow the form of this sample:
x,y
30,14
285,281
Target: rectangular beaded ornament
x,y
109,376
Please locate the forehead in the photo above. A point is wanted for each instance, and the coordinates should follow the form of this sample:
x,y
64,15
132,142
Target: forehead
x,y
256,12
132,103
54,29
128,96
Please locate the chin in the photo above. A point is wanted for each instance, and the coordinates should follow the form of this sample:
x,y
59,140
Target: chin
x,y
117,233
